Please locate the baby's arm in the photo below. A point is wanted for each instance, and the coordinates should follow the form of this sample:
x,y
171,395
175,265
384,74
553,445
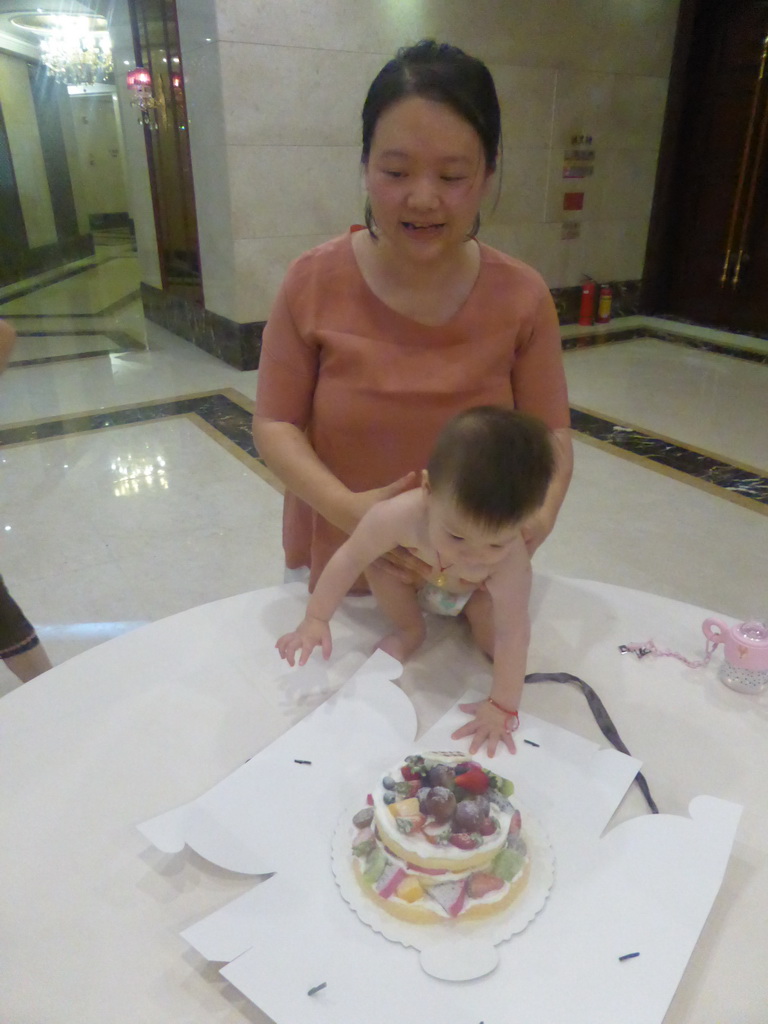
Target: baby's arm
x,y
379,531
507,593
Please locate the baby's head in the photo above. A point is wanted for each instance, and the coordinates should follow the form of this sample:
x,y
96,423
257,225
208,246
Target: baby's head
x,y
489,471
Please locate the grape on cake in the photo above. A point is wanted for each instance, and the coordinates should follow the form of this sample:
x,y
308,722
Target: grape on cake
x,y
439,839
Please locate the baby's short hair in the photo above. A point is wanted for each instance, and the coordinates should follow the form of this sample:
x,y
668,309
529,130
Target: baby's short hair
x,y
495,463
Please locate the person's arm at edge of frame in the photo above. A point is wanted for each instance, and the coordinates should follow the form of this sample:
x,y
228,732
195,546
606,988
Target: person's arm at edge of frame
x,y
7,342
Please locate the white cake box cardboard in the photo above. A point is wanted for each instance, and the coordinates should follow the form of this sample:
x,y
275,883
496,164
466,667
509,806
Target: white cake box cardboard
x,y
644,887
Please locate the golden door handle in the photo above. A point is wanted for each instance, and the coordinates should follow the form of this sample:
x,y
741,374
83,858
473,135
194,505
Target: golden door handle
x,y
746,221
745,161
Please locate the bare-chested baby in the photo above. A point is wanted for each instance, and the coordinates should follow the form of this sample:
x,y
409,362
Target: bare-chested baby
x,y
489,471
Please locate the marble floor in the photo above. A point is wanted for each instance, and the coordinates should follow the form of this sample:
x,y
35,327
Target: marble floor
x,y
129,488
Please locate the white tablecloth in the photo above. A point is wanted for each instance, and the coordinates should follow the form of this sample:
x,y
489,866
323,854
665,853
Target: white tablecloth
x,y
91,914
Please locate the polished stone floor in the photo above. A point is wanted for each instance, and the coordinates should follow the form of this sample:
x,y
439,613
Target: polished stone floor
x,y
130,490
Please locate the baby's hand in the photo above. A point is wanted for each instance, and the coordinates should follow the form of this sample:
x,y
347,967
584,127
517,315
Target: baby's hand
x,y
487,726
310,634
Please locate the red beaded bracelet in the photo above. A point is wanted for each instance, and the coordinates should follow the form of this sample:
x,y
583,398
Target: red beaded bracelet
x,y
508,713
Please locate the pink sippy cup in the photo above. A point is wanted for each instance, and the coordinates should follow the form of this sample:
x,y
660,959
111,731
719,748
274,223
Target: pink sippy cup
x,y
745,667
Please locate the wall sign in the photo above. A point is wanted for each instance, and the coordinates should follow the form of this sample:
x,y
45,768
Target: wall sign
x,y
573,201
579,160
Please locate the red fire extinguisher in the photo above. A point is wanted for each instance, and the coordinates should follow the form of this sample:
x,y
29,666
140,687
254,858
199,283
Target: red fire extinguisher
x,y
604,304
587,310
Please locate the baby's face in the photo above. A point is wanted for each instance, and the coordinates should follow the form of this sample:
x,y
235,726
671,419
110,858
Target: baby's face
x,y
458,538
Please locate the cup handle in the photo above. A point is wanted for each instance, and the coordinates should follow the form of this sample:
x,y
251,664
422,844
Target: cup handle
x,y
714,630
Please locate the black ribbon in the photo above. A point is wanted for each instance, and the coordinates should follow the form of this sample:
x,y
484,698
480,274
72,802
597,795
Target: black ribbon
x,y
603,719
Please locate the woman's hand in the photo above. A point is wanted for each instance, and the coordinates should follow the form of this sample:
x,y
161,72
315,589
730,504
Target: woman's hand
x,y
358,502
487,726
288,453
406,566
310,634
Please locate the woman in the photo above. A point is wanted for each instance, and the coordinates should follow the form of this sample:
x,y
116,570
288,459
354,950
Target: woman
x,y
377,338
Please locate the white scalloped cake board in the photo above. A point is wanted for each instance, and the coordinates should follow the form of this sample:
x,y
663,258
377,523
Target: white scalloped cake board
x,y
646,887
457,950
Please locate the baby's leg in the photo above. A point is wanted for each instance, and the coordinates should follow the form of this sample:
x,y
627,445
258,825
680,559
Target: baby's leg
x,y
397,599
479,612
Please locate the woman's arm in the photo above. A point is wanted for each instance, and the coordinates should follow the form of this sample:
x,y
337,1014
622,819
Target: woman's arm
x,y
540,525
540,389
289,367
288,453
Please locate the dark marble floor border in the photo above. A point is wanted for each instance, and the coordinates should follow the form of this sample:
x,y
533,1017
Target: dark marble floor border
x,y
122,341
21,292
125,300
697,465
219,410
20,263
228,418
572,344
65,273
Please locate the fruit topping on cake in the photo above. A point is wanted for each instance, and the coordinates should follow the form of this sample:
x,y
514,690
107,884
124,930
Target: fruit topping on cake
x,y
439,840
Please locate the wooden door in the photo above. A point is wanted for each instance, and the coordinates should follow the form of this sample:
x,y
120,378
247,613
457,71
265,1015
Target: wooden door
x,y
717,272
166,132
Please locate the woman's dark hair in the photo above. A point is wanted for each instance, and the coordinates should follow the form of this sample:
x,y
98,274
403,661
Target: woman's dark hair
x,y
445,74
496,464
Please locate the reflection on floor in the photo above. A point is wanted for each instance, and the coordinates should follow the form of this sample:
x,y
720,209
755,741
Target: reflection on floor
x,y
130,488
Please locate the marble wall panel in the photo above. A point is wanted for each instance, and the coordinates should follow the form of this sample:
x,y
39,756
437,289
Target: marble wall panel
x,y
260,267
201,65
289,96
526,96
26,151
294,190
539,245
198,24
523,186
635,37
628,241
291,81
583,104
636,112
608,250
375,27
588,35
627,177
586,255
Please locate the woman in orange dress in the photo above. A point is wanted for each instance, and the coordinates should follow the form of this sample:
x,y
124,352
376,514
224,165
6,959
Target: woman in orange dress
x,y
378,337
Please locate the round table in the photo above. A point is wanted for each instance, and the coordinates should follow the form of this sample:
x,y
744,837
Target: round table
x,y
91,914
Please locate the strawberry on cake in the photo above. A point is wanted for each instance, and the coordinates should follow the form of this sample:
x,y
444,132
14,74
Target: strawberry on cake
x,y
439,839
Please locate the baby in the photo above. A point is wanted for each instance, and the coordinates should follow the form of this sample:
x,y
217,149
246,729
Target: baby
x,y
489,471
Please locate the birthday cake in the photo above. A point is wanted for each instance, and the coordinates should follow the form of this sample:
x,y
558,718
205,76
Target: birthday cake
x,y
439,839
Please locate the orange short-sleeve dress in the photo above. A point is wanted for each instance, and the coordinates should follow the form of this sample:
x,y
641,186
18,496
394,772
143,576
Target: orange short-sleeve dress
x,y
373,388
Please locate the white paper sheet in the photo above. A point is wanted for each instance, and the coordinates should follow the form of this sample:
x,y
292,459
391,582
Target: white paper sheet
x,y
646,887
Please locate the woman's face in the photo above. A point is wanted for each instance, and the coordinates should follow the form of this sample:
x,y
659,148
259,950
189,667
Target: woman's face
x,y
426,176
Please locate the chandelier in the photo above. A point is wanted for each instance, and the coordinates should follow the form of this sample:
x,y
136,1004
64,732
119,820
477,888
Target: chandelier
x,y
75,49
